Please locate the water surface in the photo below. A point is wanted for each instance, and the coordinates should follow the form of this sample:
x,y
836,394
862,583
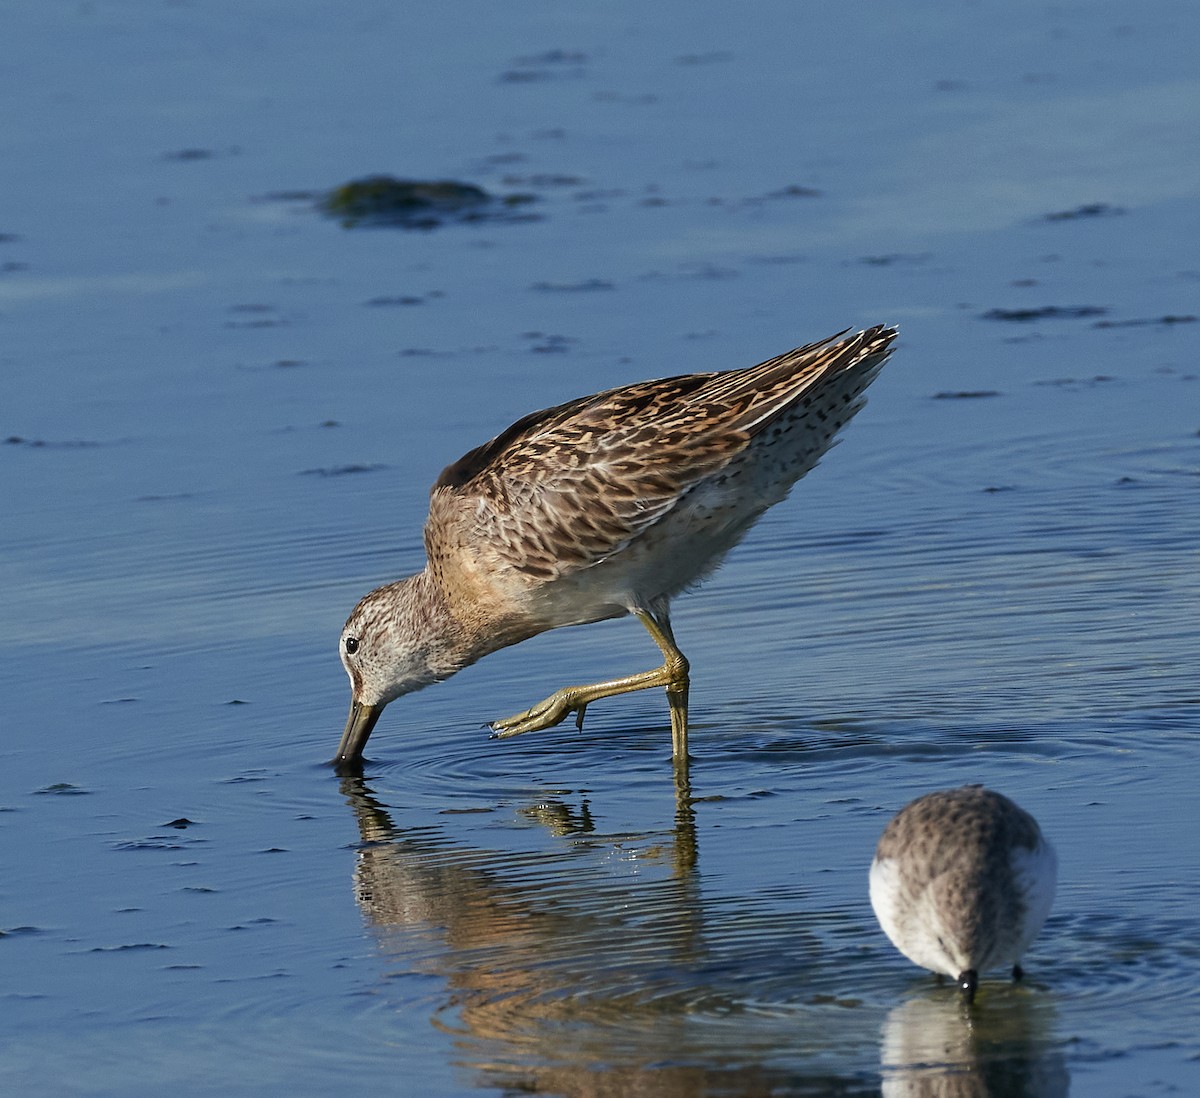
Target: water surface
x,y
223,412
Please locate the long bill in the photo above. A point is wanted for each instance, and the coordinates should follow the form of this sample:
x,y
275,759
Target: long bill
x,y
359,725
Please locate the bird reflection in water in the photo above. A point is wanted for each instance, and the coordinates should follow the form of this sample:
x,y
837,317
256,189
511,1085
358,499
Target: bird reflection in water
x,y
934,1045
607,979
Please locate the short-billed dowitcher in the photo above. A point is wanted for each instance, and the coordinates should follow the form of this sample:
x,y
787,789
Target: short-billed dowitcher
x,y
606,505
962,881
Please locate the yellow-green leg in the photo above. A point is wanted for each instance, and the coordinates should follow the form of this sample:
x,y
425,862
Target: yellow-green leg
x,y
673,675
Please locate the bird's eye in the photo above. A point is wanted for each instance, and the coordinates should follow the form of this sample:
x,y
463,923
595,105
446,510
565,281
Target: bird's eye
x,y
351,645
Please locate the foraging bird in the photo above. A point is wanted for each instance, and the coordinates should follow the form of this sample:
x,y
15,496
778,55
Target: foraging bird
x,y
962,882
606,505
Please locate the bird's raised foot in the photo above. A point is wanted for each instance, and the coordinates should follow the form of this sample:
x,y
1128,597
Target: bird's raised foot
x,y
546,714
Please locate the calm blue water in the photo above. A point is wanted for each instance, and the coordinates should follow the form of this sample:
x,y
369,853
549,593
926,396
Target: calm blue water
x,y
218,439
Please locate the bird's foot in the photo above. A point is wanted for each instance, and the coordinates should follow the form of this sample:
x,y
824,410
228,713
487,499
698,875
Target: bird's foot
x,y
546,714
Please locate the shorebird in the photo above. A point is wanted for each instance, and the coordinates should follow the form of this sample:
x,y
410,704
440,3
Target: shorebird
x,y
962,882
606,505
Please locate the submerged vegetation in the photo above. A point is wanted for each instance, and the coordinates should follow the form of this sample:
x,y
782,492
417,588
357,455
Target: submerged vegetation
x,y
383,200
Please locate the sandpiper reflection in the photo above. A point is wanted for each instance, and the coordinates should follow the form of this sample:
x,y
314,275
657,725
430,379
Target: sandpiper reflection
x,y
594,967
934,1044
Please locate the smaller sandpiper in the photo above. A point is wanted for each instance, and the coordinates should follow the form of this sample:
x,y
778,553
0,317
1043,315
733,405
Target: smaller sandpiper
x,y
962,881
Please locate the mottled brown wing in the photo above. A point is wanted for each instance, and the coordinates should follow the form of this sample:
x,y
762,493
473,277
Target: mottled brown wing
x,y
759,394
568,486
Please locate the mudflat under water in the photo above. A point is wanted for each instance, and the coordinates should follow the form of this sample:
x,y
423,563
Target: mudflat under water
x,y
222,412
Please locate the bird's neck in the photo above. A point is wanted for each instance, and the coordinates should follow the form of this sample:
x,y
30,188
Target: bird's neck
x,y
468,626
422,617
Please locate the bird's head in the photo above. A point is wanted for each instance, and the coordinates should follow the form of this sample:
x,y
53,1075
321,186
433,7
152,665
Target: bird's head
x,y
386,648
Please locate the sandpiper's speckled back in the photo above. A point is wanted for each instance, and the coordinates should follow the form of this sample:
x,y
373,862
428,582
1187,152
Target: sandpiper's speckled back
x,y
613,501
962,880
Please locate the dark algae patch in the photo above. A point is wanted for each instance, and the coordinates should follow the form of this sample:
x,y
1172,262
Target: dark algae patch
x,y
342,470
1046,312
1081,213
1146,322
62,789
383,200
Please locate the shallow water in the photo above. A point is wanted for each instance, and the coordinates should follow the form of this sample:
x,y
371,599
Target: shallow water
x,y
218,439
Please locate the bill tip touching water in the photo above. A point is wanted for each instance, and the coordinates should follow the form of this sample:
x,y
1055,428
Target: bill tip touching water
x,y
962,882
607,505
